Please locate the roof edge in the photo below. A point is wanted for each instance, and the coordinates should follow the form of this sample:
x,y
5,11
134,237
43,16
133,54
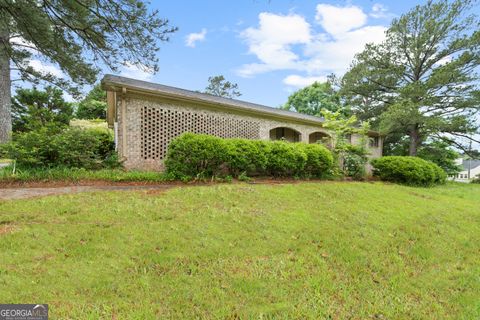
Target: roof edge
x,y
117,83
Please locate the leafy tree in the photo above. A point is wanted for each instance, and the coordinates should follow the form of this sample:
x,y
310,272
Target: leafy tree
x,y
219,86
312,99
421,81
439,152
352,157
79,36
33,109
94,105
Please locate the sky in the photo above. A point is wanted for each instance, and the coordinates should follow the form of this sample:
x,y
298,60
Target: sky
x,y
270,48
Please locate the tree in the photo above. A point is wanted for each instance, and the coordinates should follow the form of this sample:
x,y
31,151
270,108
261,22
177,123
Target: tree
x,y
421,81
353,157
79,36
219,86
312,99
439,152
94,105
33,109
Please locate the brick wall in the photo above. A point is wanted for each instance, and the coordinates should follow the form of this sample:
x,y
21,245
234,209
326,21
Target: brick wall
x,y
151,123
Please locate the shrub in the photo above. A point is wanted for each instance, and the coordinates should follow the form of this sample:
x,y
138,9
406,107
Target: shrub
x,y
285,159
354,166
476,179
319,159
408,170
70,148
197,155
247,157
192,155
354,159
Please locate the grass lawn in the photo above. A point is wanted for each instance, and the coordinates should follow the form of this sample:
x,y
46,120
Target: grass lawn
x,y
75,175
328,250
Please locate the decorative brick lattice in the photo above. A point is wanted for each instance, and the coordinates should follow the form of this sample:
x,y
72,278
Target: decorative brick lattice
x,y
159,126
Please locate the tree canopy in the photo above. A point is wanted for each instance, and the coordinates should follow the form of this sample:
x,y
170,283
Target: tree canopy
x,y
421,82
94,105
312,99
33,109
219,86
80,37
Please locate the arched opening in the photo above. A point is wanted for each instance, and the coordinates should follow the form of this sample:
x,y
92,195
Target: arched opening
x,y
319,137
283,133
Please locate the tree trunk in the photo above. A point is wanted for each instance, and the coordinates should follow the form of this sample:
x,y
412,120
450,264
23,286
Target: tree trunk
x,y
5,84
414,141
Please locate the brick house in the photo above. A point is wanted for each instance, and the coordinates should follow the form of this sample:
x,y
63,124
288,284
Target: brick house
x,y
147,116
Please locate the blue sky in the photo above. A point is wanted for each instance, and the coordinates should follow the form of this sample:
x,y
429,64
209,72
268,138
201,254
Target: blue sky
x,y
270,48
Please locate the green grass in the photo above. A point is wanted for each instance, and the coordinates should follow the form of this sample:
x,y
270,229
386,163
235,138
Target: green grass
x,y
73,175
307,251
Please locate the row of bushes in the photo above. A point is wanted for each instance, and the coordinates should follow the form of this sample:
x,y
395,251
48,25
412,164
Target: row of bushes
x,y
196,155
192,155
408,170
69,147
476,179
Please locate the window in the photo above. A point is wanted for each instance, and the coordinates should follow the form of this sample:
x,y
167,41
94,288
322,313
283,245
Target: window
x,y
348,137
283,133
374,142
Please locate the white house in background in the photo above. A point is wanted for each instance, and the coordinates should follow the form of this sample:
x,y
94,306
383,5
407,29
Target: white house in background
x,y
470,169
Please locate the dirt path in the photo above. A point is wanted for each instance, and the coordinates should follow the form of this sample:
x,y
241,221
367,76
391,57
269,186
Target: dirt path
x,y
18,190
23,193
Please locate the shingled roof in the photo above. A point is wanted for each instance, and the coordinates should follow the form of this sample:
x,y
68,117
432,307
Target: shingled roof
x,y
111,81
117,83
470,163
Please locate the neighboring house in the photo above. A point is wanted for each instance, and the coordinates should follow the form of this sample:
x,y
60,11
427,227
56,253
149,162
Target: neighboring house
x,y
147,116
470,170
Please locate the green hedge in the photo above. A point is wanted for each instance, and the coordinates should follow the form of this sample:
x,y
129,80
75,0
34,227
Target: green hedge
x,y
70,147
476,179
408,170
199,155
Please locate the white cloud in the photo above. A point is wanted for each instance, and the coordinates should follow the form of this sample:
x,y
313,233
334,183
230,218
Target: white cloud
x,y
339,20
444,60
23,44
380,11
335,55
289,42
193,38
134,71
271,42
45,68
301,81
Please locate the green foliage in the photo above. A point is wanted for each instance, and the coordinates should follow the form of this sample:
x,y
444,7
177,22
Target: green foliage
x,y
437,151
33,109
476,179
94,105
78,174
219,86
78,35
319,160
196,155
286,159
71,148
193,155
354,162
440,153
408,170
247,157
421,82
353,157
312,99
